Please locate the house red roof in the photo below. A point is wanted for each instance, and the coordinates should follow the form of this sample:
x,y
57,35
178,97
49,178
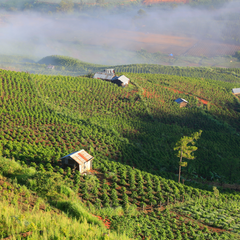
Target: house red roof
x,y
80,156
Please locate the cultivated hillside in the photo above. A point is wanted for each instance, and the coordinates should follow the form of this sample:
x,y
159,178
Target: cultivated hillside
x,y
132,125
57,214
131,132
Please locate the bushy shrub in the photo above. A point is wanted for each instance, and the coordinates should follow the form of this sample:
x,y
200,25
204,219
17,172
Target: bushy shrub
x,y
237,55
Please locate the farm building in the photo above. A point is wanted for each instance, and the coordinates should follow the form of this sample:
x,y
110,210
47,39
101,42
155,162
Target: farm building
x,y
121,81
50,67
80,159
182,102
236,91
107,74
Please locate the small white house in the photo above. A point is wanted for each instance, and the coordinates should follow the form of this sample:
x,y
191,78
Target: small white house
x,y
50,66
121,81
236,91
107,74
80,160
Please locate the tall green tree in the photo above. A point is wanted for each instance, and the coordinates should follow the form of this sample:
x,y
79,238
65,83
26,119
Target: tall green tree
x,y
65,6
185,150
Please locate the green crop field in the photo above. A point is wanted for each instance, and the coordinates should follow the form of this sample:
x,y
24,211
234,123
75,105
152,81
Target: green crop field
x,y
168,50
131,132
131,125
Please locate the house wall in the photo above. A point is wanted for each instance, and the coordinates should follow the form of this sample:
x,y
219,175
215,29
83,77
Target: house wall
x,y
88,165
72,163
85,167
65,161
183,104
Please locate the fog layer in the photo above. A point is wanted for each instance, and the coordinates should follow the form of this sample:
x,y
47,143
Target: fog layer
x,y
114,37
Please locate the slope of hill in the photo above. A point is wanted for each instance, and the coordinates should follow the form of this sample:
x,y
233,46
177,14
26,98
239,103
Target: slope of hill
x,y
131,133
69,63
132,125
222,74
72,64
166,211
57,215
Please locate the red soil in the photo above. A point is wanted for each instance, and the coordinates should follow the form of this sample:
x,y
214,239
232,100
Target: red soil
x,y
158,1
23,235
177,45
200,99
93,171
203,101
105,221
175,90
210,48
154,95
202,225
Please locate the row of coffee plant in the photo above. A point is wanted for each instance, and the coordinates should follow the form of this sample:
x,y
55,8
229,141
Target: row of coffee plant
x,y
44,118
222,74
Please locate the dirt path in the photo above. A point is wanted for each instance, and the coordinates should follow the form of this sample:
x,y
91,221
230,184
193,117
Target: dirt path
x,y
202,225
153,94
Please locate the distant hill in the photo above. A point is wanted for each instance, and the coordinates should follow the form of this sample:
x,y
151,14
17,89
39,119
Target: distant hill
x,y
69,63
73,64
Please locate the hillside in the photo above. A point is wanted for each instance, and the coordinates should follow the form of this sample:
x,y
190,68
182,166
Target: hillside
x,y
131,132
25,215
123,125
180,212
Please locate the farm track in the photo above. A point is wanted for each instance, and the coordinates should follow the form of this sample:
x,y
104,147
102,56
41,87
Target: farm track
x,y
202,225
200,99
151,95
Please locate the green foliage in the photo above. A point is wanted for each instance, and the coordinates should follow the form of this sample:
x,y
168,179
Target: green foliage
x,y
65,6
220,74
237,54
69,63
56,120
184,150
141,12
216,192
37,223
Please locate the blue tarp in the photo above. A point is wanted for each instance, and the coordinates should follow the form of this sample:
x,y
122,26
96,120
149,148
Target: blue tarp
x,y
179,100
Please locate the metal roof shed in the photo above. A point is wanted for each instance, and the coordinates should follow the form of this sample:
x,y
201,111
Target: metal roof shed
x,y
236,91
121,81
50,67
107,74
182,102
80,159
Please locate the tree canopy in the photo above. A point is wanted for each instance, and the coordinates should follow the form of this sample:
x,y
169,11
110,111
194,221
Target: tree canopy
x,y
66,6
185,150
